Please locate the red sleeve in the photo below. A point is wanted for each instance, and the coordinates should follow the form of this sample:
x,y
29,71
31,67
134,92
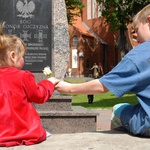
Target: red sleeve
x,y
38,93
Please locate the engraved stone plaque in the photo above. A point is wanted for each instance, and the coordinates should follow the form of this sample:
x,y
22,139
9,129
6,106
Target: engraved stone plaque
x,y
31,21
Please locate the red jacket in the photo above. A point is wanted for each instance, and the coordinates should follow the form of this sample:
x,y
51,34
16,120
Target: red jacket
x,y
19,121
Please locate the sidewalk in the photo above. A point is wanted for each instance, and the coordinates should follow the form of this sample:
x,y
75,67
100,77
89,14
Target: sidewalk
x,y
104,139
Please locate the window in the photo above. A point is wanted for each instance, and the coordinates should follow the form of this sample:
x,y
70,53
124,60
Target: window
x,y
100,10
75,41
93,9
89,9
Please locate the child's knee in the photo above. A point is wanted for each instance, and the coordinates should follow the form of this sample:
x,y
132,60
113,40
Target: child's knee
x,y
117,109
116,113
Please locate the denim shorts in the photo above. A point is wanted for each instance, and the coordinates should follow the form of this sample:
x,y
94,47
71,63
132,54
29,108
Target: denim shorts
x,y
115,118
116,121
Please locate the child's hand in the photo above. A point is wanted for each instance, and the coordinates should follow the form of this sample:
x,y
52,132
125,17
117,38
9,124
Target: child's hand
x,y
63,87
53,80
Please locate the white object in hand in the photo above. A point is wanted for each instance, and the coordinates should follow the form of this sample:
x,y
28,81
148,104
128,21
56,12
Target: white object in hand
x,y
47,71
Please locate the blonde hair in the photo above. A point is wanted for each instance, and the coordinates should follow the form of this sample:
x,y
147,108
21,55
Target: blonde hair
x,y
142,15
9,43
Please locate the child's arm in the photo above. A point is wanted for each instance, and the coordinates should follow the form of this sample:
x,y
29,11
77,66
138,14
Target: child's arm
x,y
91,87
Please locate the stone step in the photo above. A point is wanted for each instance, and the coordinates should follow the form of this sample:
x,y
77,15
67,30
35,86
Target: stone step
x,y
79,119
56,103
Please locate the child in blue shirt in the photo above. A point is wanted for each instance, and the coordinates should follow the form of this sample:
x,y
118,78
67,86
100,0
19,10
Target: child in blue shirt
x,y
132,74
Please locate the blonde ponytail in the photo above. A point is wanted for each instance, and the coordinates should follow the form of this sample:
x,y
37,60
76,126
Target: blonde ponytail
x,y
1,28
3,40
9,43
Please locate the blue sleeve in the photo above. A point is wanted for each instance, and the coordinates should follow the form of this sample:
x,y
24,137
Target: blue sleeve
x,y
121,79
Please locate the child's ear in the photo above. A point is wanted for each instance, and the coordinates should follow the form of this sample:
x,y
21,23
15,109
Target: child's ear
x,y
148,19
12,56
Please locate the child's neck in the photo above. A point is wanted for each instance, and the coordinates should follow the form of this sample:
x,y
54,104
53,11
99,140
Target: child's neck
x,y
4,65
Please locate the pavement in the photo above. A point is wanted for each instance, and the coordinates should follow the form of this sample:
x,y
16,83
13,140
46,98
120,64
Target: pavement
x,y
102,139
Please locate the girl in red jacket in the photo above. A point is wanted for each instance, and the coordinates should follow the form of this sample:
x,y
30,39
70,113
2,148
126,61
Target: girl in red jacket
x,y
19,121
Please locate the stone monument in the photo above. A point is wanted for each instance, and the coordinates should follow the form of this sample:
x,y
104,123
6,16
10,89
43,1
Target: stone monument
x,y
43,26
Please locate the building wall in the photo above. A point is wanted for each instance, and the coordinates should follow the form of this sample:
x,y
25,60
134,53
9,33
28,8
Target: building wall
x,y
91,49
98,24
94,49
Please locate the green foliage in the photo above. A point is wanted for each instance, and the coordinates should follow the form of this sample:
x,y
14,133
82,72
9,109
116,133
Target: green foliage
x,y
137,5
74,8
119,13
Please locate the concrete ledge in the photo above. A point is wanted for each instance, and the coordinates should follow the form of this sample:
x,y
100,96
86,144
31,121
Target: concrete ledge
x,y
57,103
108,140
75,121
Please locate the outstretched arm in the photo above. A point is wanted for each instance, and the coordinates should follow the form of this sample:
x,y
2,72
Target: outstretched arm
x,y
91,87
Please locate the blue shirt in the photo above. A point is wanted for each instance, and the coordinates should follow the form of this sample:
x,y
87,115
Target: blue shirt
x,y
132,74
